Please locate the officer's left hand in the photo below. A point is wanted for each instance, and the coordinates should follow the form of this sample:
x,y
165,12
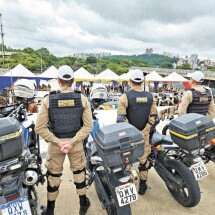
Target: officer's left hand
x,y
66,148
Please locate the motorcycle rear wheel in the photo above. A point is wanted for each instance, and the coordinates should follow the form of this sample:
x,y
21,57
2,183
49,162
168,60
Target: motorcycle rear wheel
x,y
188,192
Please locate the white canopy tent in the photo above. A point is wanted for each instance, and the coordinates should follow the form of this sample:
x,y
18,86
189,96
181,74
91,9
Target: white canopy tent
x,y
20,71
83,75
124,77
154,76
175,77
51,73
107,75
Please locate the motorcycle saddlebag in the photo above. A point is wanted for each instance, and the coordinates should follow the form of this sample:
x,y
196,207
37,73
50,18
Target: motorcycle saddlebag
x,y
119,143
11,141
192,131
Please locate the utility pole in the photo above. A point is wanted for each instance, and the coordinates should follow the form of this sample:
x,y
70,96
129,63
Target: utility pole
x,y
2,39
41,63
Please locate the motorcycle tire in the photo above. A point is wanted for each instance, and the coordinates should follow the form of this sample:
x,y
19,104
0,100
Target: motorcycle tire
x,y
33,200
115,210
111,210
188,192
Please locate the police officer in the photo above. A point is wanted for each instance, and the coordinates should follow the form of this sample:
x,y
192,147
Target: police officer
x,y
64,121
199,99
139,109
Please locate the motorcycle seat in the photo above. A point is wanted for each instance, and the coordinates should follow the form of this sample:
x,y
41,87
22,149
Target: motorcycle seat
x,y
159,139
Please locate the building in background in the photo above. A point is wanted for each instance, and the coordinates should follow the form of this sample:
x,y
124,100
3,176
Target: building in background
x,y
149,51
97,55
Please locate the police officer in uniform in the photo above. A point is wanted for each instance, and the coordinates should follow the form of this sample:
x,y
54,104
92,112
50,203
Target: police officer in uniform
x,y
199,99
64,121
139,109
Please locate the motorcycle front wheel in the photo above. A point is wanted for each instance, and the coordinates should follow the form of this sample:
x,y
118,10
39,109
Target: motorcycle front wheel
x,y
187,191
113,210
33,200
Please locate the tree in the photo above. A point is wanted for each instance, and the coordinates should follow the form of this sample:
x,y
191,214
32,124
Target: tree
x,y
28,50
43,51
91,60
186,66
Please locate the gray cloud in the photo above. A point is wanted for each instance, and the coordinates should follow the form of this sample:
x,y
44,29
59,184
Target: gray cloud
x,y
136,11
66,26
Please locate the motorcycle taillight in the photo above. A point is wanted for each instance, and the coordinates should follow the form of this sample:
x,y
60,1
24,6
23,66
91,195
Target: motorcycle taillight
x,y
12,197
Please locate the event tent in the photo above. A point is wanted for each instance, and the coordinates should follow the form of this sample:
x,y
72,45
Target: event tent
x,y
154,77
107,75
83,75
12,75
19,71
50,73
175,77
124,77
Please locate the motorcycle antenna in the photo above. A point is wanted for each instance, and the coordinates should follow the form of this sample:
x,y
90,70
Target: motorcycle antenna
x,y
2,39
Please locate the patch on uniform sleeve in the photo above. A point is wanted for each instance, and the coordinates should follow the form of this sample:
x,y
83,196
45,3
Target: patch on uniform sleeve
x,y
66,103
141,100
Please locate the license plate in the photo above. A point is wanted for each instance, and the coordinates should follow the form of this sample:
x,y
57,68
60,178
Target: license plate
x,y
126,194
199,170
18,207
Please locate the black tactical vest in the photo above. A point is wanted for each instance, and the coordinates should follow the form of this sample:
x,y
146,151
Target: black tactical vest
x,y
200,103
65,114
139,108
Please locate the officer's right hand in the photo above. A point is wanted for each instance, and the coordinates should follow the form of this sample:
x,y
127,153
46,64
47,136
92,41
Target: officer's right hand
x,y
64,144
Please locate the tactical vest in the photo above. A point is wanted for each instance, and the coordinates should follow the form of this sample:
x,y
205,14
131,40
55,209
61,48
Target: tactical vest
x,y
200,103
139,108
65,114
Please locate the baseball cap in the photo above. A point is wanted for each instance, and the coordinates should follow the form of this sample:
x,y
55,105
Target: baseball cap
x,y
197,76
136,76
65,72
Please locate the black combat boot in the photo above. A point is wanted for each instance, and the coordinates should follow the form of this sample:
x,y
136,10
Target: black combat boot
x,y
142,187
84,205
50,208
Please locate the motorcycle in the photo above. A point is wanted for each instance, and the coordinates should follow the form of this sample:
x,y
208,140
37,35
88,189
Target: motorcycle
x,y
111,168
20,169
188,137
180,181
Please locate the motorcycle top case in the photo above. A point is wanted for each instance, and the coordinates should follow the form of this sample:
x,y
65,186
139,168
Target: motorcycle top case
x,y
119,143
11,140
192,131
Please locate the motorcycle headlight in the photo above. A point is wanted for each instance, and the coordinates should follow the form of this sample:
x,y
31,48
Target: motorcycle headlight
x,y
31,177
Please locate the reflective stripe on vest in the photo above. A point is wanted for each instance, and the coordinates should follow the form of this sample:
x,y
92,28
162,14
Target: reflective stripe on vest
x,y
200,102
139,108
65,114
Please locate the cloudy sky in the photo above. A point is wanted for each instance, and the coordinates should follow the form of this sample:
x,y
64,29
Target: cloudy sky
x,y
117,26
